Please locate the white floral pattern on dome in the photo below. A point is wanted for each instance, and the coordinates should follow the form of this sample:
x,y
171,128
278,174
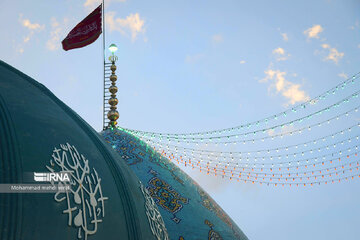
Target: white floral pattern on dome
x,y
85,200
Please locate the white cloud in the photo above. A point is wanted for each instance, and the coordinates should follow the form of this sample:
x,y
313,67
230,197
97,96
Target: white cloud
x,y
294,94
31,29
343,75
334,55
217,38
56,34
314,31
242,61
20,50
282,130
289,90
279,51
193,58
359,46
94,3
26,39
31,26
132,24
285,37
280,54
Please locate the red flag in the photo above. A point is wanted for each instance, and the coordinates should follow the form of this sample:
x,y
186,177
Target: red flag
x,y
86,32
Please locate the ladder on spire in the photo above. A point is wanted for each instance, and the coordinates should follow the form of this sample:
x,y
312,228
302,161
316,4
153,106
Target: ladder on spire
x,y
107,95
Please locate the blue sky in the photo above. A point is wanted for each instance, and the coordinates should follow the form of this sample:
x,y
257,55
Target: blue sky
x,y
189,66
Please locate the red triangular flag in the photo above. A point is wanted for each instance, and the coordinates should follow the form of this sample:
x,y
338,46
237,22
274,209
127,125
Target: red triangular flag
x,y
86,32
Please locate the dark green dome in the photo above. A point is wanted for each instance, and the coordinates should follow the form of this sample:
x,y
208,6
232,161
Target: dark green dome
x,y
188,211
39,133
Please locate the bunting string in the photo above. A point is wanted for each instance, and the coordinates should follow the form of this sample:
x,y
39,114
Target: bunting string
x,y
264,130
238,162
349,82
253,140
269,150
328,158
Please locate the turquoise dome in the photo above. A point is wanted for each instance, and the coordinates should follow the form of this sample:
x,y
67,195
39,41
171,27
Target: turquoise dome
x,y
39,133
188,211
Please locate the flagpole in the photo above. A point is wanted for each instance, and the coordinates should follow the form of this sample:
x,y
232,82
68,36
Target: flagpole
x,y
103,20
103,12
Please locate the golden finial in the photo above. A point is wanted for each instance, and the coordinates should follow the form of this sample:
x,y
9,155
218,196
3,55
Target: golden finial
x,y
113,114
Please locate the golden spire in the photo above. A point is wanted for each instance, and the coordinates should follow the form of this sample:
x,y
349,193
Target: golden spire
x,y
113,114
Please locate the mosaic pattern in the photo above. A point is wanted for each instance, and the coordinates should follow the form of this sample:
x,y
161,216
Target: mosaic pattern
x,y
156,222
211,205
130,151
166,197
213,235
127,149
174,192
169,167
